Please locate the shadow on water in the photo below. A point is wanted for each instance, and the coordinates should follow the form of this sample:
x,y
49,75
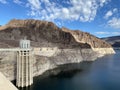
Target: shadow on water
x,y
66,71
55,79
61,72
102,74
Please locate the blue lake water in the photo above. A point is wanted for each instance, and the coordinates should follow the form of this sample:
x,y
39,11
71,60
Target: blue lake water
x,y
102,74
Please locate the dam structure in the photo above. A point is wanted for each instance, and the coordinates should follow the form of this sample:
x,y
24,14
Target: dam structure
x,y
25,57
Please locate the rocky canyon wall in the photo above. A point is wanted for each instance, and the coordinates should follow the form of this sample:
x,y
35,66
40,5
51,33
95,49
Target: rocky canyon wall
x,y
59,45
44,62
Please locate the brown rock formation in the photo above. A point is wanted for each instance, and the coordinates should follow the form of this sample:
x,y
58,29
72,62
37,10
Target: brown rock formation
x,y
85,37
44,33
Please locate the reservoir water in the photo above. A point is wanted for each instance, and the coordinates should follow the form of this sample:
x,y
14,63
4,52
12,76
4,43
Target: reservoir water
x,y
102,74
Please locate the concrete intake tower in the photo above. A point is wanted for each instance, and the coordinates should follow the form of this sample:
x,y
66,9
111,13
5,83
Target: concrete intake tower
x,y
25,59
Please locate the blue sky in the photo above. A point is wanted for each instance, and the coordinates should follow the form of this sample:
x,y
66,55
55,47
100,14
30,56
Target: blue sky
x,y
98,17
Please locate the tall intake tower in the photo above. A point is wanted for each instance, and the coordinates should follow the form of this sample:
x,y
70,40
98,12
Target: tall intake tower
x,y
25,58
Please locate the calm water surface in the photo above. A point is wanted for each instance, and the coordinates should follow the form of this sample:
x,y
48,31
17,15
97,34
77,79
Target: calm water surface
x,y
102,74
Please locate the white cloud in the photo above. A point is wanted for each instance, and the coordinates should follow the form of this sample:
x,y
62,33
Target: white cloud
x,y
110,13
107,33
102,33
115,10
17,1
3,1
82,10
102,2
116,33
34,4
114,23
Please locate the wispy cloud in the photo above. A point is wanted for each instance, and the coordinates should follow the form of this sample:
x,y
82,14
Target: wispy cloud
x,y
102,33
3,1
34,4
17,1
107,33
81,10
110,13
114,23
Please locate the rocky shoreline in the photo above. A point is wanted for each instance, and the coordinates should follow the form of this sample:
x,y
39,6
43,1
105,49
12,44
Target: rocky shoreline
x,y
44,63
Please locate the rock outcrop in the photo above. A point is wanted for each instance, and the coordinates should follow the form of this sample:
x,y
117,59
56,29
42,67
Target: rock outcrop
x,y
97,45
70,46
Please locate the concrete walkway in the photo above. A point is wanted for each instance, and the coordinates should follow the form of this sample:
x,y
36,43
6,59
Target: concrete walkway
x,y
5,84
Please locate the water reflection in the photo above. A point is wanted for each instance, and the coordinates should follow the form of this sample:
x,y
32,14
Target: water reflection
x,y
26,88
68,70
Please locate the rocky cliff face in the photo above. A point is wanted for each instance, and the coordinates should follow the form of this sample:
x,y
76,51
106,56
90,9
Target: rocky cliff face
x,y
43,32
43,63
72,46
84,37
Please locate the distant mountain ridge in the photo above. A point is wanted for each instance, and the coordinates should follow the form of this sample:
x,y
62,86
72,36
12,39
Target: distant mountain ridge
x,y
113,40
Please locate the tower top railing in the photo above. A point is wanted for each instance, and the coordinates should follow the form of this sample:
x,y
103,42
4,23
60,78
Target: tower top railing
x,y
24,43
